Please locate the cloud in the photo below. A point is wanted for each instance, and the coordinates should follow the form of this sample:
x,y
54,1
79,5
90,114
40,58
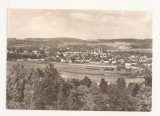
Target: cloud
x,y
85,24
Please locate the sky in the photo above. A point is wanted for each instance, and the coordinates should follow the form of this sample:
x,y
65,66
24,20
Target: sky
x,y
82,24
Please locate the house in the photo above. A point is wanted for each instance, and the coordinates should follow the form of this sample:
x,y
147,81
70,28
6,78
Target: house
x,y
42,59
121,61
106,62
47,52
131,66
11,52
128,64
142,60
35,51
110,59
25,52
148,62
32,59
70,61
134,64
132,56
114,62
94,62
63,61
79,61
87,60
57,56
145,57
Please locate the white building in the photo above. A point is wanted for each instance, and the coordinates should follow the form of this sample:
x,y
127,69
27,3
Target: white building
x,y
128,64
106,62
114,62
63,61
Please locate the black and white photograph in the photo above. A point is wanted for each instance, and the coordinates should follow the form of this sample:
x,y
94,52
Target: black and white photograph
x,y
85,60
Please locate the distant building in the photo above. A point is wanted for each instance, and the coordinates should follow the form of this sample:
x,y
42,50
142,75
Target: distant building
x,y
42,59
70,61
94,62
114,62
148,62
35,51
28,59
106,62
63,61
11,52
132,56
128,64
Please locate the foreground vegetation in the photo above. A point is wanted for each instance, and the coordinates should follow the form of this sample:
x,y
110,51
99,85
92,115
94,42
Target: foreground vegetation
x,y
45,89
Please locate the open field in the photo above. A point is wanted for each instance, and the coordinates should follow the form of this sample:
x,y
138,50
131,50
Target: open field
x,y
79,71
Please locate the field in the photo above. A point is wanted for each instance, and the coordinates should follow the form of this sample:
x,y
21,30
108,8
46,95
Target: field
x,y
78,71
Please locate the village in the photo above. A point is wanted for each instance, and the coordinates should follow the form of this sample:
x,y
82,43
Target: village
x,y
121,59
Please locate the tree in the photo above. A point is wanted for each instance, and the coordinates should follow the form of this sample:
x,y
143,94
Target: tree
x,y
75,82
47,87
101,102
144,98
68,85
103,85
135,90
16,85
147,75
72,58
121,83
120,67
86,81
80,99
120,99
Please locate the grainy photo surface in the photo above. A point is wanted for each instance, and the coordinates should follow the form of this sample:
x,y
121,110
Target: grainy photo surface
x,y
96,60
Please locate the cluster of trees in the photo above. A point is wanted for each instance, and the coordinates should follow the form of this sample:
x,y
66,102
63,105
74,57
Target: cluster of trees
x,y
45,89
17,55
123,54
